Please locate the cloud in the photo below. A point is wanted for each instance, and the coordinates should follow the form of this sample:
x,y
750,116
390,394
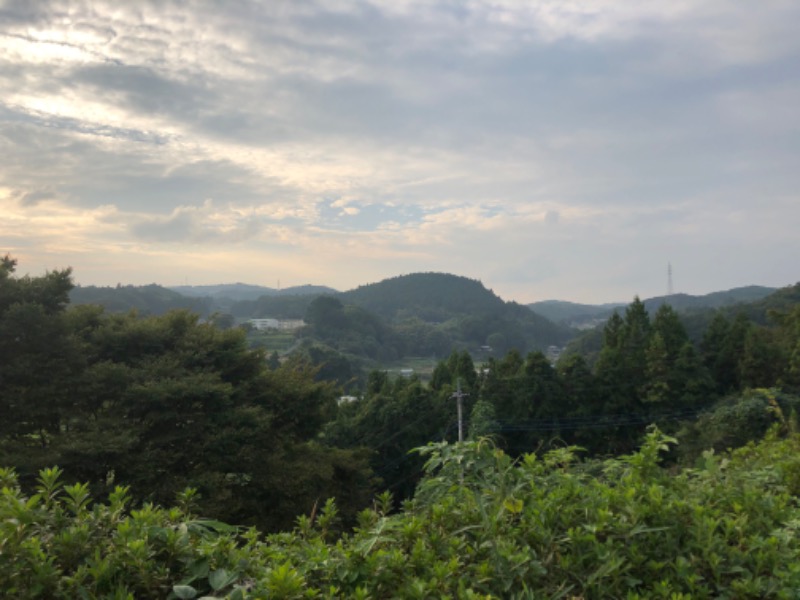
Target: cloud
x,y
479,137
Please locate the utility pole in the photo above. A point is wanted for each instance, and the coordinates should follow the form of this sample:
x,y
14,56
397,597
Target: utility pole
x,y
459,396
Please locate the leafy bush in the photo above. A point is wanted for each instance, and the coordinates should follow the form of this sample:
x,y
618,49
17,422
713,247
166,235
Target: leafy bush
x,y
480,526
735,421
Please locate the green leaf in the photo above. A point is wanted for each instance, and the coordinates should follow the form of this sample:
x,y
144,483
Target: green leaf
x,y
211,524
184,591
237,594
220,579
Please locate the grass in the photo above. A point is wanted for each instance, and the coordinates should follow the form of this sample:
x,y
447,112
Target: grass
x,y
271,341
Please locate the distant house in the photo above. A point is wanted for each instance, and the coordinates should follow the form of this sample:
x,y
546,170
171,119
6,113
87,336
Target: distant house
x,y
282,324
262,324
553,353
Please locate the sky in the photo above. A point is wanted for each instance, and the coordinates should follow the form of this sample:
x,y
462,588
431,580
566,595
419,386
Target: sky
x,y
552,149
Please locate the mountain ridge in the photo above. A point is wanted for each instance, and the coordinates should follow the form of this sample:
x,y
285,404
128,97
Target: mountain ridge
x,y
246,291
564,310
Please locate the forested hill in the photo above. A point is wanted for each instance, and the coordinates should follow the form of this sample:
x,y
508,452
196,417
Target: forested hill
x,y
145,299
459,302
559,310
733,297
235,292
697,318
562,310
781,300
429,296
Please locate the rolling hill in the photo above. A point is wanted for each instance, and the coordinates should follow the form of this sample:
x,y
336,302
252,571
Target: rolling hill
x,y
578,314
146,299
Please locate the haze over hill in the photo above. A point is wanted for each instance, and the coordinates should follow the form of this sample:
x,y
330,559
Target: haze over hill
x,y
244,291
565,311
426,295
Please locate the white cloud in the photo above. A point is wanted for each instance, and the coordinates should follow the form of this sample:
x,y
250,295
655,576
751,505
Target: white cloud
x,y
479,137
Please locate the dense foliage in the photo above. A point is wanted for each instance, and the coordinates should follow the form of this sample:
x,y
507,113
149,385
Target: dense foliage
x,y
481,526
569,312
161,403
729,390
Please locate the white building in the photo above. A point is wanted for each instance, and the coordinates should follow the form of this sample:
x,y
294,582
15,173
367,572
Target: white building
x,y
262,324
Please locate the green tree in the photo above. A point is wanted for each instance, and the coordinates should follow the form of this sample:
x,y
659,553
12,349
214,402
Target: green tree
x,y
763,359
635,341
325,314
389,421
482,420
659,363
723,347
668,325
163,403
38,360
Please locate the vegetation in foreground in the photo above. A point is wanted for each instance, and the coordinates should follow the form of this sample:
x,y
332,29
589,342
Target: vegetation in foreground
x,y
480,526
165,403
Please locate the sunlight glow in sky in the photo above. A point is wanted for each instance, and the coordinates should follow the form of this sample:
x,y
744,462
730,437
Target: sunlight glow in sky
x,y
551,149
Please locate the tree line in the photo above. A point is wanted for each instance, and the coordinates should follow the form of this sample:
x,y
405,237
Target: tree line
x,y
161,403
165,402
740,379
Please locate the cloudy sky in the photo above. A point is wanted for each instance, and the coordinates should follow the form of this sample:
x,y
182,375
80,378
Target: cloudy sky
x,y
550,148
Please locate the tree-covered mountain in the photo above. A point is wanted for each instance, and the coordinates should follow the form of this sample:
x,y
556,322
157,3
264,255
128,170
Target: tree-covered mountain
x,y
698,319
273,307
573,313
433,297
562,310
422,304
728,298
235,292
422,314
146,299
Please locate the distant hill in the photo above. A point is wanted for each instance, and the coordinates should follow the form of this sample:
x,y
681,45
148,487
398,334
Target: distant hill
x,y
429,313
282,306
147,299
696,312
460,307
780,300
429,296
561,310
579,314
740,295
242,291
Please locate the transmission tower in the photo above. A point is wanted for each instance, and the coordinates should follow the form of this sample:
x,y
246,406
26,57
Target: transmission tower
x,y
670,290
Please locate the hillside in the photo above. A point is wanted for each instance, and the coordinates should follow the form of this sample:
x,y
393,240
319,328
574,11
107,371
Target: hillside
x,y
236,292
433,297
577,314
696,312
463,309
146,299
728,298
779,301
562,310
